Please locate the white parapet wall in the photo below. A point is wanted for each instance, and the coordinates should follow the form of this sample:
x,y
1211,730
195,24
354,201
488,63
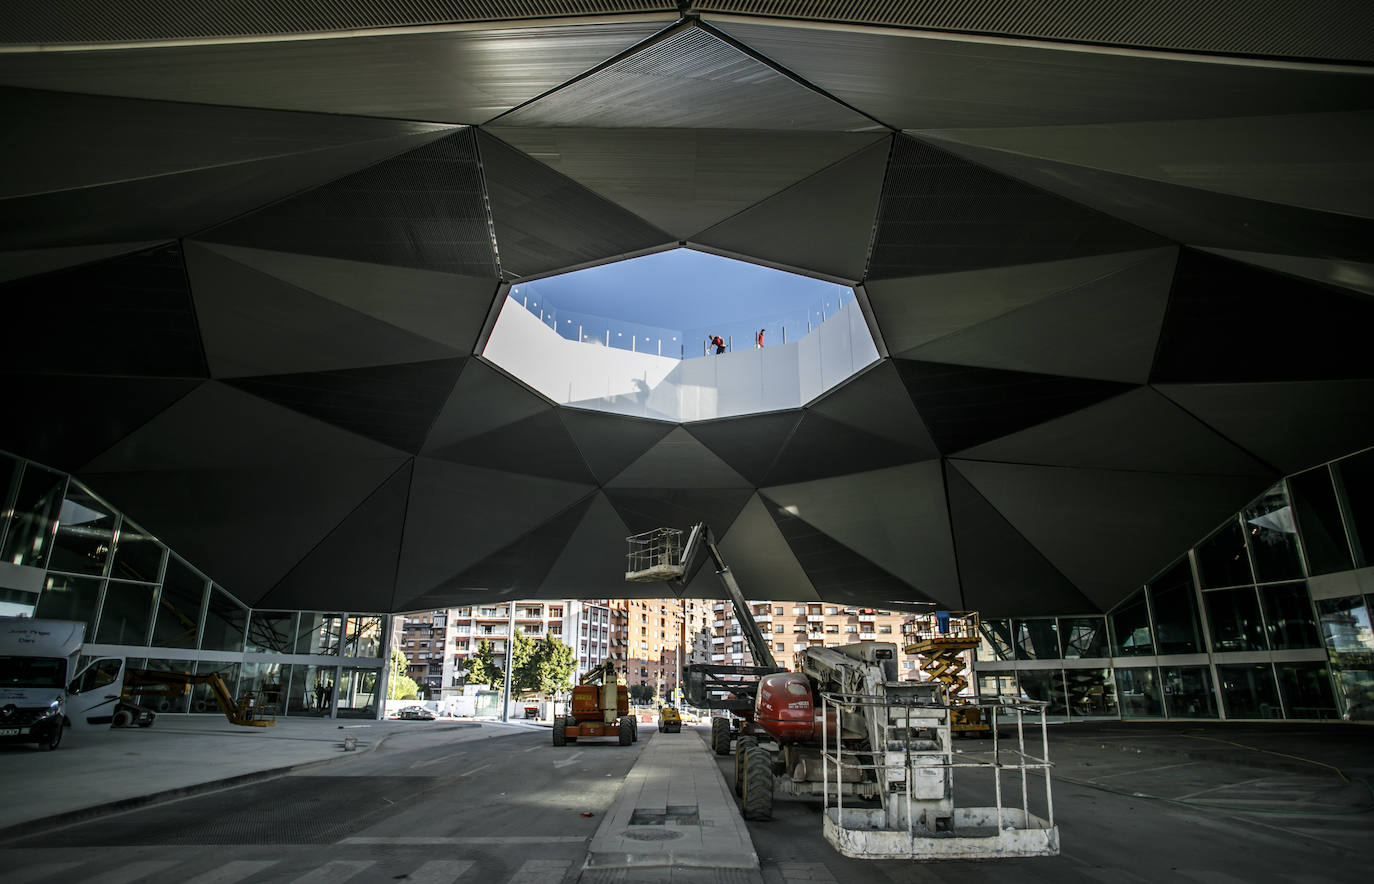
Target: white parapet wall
x,y
601,378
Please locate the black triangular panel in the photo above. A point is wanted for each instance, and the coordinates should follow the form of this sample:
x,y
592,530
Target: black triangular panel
x,y
917,310
823,223
537,445
1017,580
441,307
177,205
546,221
838,573
1221,311
588,563
748,444
877,402
516,569
896,518
218,427
394,404
645,509
356,562
823,447
964,406
1187,214
212,517
422,209
459,515
942,214
689,78
33,262
1109,531
1138,430
482,400
1290,425
130,315
679,461
1107,328
110,409
611,443
1355,275
760,558
255,324
685,180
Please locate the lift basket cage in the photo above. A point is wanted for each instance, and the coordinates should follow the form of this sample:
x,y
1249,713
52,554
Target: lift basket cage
x,y
654,556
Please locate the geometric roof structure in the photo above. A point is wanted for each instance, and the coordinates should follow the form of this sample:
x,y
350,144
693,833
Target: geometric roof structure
x,y
1120,276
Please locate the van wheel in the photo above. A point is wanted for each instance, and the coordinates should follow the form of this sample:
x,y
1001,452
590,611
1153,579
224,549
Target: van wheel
x,y
54,739
122,718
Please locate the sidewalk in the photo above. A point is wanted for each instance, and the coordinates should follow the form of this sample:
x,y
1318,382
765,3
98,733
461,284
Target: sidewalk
x,y
674,819
104,770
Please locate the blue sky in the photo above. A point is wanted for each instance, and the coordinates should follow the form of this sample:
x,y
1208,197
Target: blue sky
x,y
684,289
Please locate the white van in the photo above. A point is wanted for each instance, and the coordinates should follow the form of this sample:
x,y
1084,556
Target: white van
x,y
37,659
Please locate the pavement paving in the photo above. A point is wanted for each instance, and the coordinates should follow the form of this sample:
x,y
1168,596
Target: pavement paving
x,y
106,770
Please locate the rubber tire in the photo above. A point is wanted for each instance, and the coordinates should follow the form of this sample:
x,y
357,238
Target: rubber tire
x,y
148,722
741,752
627,731
53,741
720,736
560,731
757,800
634,728
122,718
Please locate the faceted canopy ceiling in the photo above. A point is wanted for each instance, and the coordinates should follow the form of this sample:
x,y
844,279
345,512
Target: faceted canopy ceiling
x,y
1122,280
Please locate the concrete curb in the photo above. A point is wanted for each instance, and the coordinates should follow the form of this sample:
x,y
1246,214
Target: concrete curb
x,y
138,802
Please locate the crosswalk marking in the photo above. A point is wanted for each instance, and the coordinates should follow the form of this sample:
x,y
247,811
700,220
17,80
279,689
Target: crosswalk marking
x,y
439,871
331,873
540,871
233,871
37,873
132,872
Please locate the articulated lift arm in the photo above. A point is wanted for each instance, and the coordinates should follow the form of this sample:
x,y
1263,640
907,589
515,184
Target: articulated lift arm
x,y
167,683
701,539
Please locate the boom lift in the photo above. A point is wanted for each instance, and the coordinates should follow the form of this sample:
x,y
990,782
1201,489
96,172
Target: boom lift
x,y
844,727
600,708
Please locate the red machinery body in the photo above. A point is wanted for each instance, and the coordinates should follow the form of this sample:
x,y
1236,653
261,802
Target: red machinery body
x,y
786,709
586,703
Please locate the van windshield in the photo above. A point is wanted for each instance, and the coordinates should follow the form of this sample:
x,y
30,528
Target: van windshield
x,y
32,672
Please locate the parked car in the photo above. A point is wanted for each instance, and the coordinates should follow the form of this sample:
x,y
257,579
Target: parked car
x,y
418,713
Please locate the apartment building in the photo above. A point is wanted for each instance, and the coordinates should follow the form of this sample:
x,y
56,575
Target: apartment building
x,y
790,627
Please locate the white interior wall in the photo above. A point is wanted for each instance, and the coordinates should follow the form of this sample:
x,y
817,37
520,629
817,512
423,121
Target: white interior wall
x,y
600,378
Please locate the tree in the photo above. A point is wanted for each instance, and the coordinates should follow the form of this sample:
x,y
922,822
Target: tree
x,y
401,686
550,668
642,694
521,660
482,667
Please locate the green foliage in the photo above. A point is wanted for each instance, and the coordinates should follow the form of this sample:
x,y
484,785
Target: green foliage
x,y
401,686
482,667
552,666
642,694
522,655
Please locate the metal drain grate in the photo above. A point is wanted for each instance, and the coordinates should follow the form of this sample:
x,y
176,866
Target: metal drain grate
x,y
653,835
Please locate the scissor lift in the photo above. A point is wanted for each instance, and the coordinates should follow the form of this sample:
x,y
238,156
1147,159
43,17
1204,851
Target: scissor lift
x,y
940,640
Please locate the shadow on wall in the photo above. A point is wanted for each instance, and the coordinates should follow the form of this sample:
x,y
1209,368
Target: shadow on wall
x,y
600,378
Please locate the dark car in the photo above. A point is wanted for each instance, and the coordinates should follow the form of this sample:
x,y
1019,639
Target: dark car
x,y
419,713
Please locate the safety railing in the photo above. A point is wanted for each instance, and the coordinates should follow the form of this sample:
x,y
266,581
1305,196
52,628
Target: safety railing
x,y
1001,829
654,555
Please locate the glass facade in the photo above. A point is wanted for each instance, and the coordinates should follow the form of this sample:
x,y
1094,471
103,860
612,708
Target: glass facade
x,y
1249,624
141,601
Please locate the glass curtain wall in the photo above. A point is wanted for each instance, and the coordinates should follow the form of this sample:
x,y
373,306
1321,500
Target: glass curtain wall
x,y
141,601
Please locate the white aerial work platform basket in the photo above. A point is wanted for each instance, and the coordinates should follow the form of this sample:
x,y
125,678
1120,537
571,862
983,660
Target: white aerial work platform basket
x,y
654,556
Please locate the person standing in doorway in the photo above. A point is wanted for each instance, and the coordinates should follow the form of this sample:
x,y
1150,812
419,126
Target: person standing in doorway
x,y
758,340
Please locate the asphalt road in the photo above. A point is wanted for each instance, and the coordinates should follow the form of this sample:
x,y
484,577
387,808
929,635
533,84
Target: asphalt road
x,y
479,804
1202,822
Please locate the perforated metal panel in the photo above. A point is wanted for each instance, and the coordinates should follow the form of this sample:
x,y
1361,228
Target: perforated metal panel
x,y
75,21
1332,29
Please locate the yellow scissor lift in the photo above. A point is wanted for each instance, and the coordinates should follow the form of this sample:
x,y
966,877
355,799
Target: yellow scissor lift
x,y
940,639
